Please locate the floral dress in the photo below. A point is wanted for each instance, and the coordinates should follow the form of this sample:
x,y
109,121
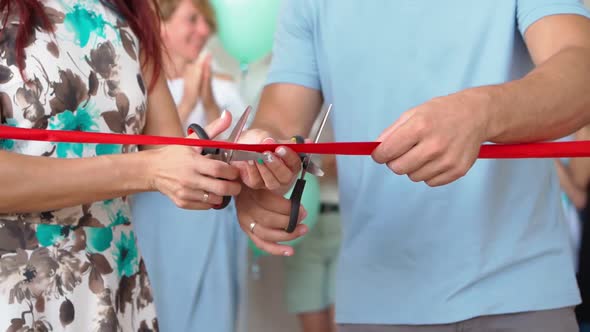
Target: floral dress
x,y
77,268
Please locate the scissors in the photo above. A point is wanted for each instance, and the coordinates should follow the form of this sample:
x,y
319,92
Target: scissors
x,y
307,167
227,156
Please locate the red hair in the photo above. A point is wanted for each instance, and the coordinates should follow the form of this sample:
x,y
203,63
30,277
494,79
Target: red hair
x,y
141,15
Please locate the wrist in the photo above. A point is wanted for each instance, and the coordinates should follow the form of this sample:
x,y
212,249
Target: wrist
x,y
137,172
271,130
487,103
188,102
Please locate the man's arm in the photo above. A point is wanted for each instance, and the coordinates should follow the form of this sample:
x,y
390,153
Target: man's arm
x,y
574,193
286,110
288,106
553,100
580,167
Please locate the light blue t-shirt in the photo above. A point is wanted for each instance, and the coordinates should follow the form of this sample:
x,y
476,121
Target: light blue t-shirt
x,y
492,242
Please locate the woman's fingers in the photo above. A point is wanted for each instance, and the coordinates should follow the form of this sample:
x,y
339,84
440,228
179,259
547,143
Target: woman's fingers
x,y
272,248
215,168
264,215
219,125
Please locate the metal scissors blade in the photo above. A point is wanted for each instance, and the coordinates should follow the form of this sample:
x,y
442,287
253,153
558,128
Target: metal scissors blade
x,y
297,191
307,164
239,155
228,155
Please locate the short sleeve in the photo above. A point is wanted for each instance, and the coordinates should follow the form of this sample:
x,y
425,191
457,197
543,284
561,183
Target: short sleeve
x,y
530,11
293,56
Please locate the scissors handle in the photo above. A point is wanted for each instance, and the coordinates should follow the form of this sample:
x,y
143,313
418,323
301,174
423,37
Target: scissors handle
x,y
299,140
202,134
295,204
297,191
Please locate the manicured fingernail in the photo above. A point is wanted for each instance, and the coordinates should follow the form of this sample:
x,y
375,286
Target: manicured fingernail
x,y
224,113
281,151
303,231
251,162
268,140
286,253
261,161
268,157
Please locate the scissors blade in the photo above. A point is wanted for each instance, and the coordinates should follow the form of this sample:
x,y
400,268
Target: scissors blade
x,y
314,169
307,160
318,134
236,133
239,155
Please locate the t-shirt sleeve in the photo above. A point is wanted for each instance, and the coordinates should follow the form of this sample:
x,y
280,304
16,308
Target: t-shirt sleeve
x,y
530,11
294,55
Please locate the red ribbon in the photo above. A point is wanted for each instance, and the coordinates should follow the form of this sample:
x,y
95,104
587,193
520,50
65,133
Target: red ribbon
x,y
487,151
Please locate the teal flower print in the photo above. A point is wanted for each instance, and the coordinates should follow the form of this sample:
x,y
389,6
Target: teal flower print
x,y
49,235
126,256
83,23
82,120
106,149
8,144
120,219
98,239
118,215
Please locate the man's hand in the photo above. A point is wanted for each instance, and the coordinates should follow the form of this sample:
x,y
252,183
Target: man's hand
x,y
437,142
276,172
264,215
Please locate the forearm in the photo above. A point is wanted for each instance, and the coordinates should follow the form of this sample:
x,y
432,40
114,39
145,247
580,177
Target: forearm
x,y
550,102
287,110
36,184
580,167
163,117
578,197
184,110
574,193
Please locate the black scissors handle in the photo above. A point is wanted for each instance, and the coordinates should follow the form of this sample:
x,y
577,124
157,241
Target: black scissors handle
x,y
297,192
202,134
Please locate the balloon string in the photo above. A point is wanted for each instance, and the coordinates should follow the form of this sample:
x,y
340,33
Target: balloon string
x,y
244,68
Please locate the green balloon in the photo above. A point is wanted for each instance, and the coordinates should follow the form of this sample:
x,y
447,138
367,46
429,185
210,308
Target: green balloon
x,y
246,27
311,201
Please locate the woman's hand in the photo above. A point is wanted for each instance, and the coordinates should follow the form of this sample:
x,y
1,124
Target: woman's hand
x,y
205,87
276,172
198,89
191,180
192,78
264,215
